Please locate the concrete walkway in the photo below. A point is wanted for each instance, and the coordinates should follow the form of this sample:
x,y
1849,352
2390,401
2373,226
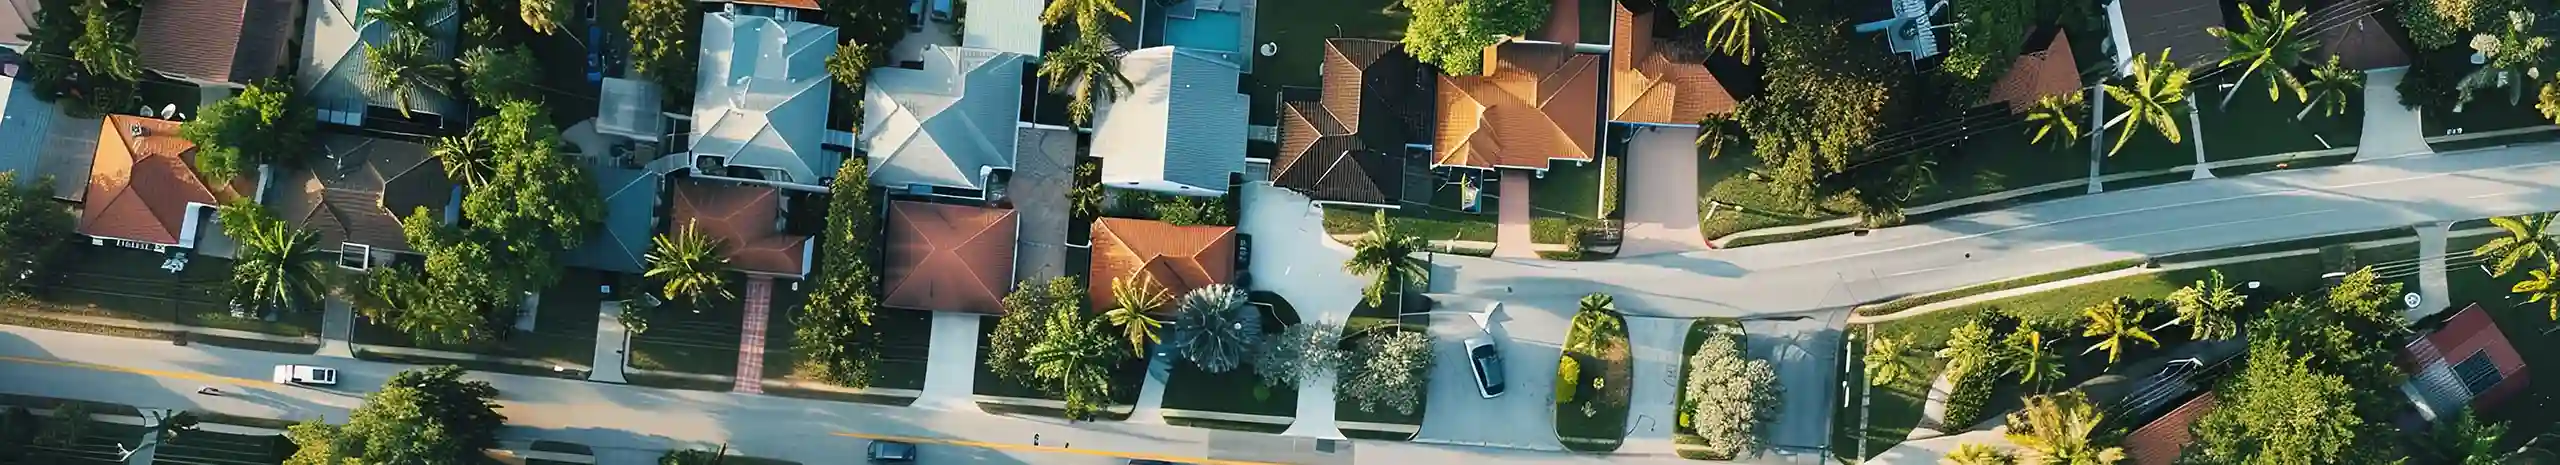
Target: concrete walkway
x,y
2434,292
951,363
1661,178
1151,395
1512,233
2390,130
2195,132
750,378
611,341
337,326
1292,257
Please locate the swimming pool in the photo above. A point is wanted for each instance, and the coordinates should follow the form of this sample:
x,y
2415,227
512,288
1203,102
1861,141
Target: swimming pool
x,y
1216,32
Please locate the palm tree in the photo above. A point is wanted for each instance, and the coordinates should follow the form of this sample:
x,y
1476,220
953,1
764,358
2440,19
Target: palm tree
x,y
408,17
1087,14
278,265
1884,360
543,16
1598,316
690,264
2330,87
2114,323
2274,42
2542,285
402,69
2207,306
1137,297
2061,429
1974,453
1216,329
2058,115
2158,89
1086,71
1386,256
1598,302
466,158
2031,357
1077,356
1732,23
2528,236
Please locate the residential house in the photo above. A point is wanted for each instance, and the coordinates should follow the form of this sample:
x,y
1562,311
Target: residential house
x,y
1009,26
949,125
1180,128
357,205
144,192
1655,80
2467,363
631,110
332,69
948,258
631,201
2149,27
1177,258
760,108
16,17
1349,146
2164,439
24,122
747,220
215,43
2039,73
1537,102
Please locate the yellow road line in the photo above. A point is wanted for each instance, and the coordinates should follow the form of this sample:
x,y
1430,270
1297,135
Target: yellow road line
x,y
142,371
1062,450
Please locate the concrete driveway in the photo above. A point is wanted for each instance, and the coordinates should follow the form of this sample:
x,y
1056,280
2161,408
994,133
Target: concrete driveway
x,y
1662,193
1651,417
1294,258
1529,336
1806,353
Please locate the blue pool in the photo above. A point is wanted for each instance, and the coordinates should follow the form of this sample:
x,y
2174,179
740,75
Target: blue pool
x,y
1216,32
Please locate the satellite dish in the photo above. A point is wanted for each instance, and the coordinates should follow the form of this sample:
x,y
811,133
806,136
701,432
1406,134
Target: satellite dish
x,y
1268,48
170,110
2412,299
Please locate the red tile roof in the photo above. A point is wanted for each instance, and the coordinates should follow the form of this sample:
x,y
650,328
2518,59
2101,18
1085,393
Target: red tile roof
x,y
140,185
1650,84
744,219
951,258
1537,102
2160,442
1180,258
2471,331
2037,74
216,40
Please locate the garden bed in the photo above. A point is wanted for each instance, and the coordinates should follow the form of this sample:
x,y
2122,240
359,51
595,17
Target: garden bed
x,y
1591,402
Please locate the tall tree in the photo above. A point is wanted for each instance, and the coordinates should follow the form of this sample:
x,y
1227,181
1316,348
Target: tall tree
x,y
409,17
58,23
466,158
1074,360
1452,34
2116,323
1823,105
850,62
2152,97
834,336
105,45
543,16
1299,353
1137,298
402,68
2061,429
537,202
427,415
32,229
1386,256
2331,87
1216,329
1086,72
1731,23
2274,42
2527,237
1028,311
2059,116
261,125
1387,370
1088,15
1884,360
689,265
277,265
496,75
2278,411
660,38
2208,306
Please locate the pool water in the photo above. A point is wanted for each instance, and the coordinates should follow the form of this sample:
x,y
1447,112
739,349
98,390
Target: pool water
x,y
1217,32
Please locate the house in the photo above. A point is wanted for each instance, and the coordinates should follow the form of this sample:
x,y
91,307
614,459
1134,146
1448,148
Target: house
x,y
948,258
215,43
2148,27
1348,147
1009,26
1178,258
947,125
24,122
760,108
332,69
1655,80
631,110
2467,363
2037,74
143,190
1537,102
631,201
357,205
2161,441
1180,128
747,220
16,17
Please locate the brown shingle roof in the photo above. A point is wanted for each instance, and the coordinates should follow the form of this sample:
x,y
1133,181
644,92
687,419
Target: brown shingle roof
x,y
215,40
140,185
1538,102
1347,146
951,258
2037,74
2154,25
745,220
1180,258
1648,83
361,200
2362,45
1321,158
2160,442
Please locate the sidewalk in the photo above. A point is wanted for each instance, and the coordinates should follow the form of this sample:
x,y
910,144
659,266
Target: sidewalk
x,y
951,363
612,344
1150,408
1512,231
751,336
337,326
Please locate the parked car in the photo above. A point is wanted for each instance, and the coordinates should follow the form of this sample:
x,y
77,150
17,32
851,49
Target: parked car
x,y
306,375
892,452
1487,364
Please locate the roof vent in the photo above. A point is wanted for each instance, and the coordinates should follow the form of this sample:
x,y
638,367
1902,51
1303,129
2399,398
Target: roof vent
x,y
134,130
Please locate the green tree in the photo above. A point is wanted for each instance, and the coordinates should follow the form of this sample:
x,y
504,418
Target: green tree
x,y
1386,256
543,16
2331,86
2208,306
261,125
2061,429
1975,453
401,67
2515,55
1989,34
1452,34
1074,360
688,265
1028,311
850,62
105,46
426,415
1086,198
33,228
1731,23
1387,370
661,36
278,265
409,17
1086,72
497,75
1216,329
537,201
58,23
2059,116
834,336
2115,323
1884,362
1823,105
2152,97
1088,15
2464,440
865,21
2539,287
2527,237
1299,353
2278,411
1137,298
2031,357
2274,42
466,158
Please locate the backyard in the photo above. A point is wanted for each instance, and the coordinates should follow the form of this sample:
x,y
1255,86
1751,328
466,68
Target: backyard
x,y
1299,30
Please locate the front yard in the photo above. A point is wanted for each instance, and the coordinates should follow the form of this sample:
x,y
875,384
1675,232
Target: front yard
x,y
1236,391
128,284
906,341
564,326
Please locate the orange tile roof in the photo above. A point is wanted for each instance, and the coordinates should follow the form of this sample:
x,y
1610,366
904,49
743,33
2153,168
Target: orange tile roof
x,y
140,185
744,219
1538,101
1180,258
2038,74
2160,442
952,258
1648,84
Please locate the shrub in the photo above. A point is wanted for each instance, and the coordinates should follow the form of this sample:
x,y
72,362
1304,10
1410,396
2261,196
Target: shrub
x,y
1389,370
1299,352
1734,394
1972,392
1568,376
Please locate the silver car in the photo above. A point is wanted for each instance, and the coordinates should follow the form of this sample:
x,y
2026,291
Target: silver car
x,y
1487,363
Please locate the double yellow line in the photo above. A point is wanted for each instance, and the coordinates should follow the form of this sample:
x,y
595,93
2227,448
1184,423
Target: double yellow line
x,y
190,376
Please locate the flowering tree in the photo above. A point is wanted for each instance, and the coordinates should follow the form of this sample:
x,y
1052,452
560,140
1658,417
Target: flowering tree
x,y
1300,352
1733,394
1388,370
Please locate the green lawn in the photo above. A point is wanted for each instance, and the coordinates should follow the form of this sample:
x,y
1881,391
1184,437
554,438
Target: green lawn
x,y
1299,29
122,283
1235,391
564,326
1746,204
2001,160
2252,126
2148,150
1594,418
906,338
2060,308
1570,190
701,340
1889,416
1420,220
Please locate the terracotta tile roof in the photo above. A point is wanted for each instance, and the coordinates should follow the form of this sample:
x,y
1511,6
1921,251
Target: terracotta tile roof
x,y
361,200
1538,102
1320,157
2160,442
215,40
1649,83
2051,71
745,220
951,258
2363,44
140,185
1180,258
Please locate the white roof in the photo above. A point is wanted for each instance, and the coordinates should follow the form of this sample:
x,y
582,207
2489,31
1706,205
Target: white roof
x,y
945,124
1180,129
762,95
631,108
1004,25
331,70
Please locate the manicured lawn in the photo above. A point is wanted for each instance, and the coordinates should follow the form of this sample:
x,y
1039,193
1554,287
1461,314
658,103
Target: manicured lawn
x,y
1236,391
701,340
1299,28
122,283
1746,204
906,336
2252,126
1569,190
1594,417
2060,308
564,326
2005,159
2148,150
1420,220
1890,415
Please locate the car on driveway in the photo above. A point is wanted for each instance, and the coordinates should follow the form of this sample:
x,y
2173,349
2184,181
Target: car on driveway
x,y
892,452
306,375
1487,363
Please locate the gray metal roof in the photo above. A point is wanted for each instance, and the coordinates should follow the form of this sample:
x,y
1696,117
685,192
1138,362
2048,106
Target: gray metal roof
x,y
632,109
762,95
1005,26
1180,130
945,124
24,123
331,71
